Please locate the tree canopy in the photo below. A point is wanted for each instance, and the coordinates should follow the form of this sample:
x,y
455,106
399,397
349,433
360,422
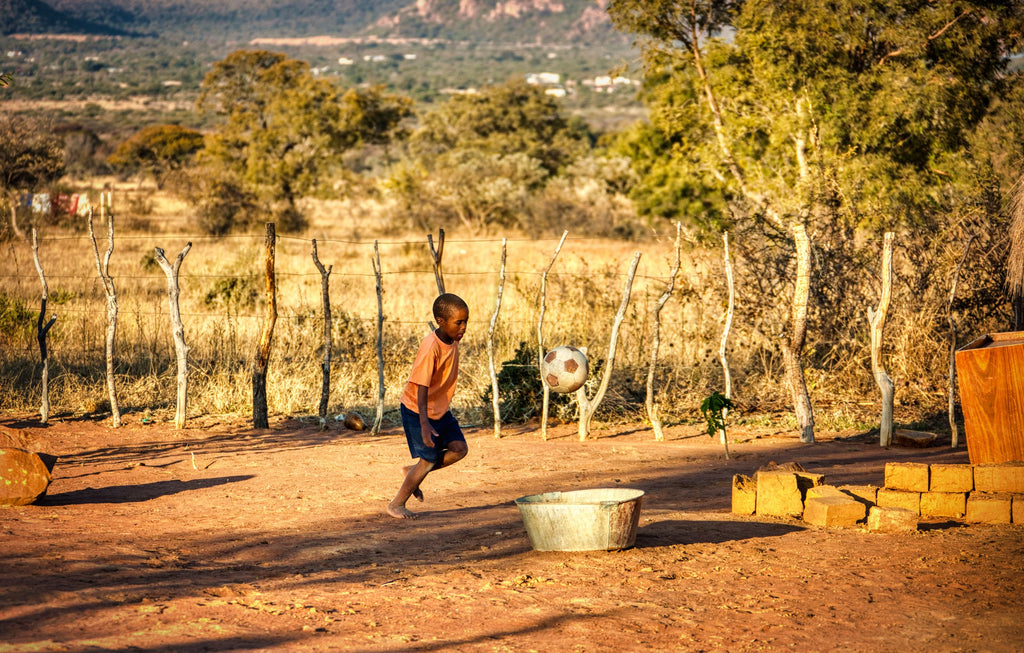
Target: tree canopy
x,y
157,150
30,154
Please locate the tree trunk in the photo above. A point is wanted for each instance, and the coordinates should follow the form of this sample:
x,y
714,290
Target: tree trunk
x,y
262,358
41,331
792,351
328,344
490,344
877,322
178,330
546,391
650,404
589,406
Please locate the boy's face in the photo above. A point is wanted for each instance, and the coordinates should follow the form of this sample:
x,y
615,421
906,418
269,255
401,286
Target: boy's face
x,y
453,326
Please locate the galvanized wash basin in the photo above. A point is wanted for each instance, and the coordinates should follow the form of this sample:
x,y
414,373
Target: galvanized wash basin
x,y
582,520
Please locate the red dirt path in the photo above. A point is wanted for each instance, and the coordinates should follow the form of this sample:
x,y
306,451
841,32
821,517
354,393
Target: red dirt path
x,y
221,538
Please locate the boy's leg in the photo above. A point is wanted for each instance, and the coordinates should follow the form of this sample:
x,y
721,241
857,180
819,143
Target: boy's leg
x,y
410,485
455,447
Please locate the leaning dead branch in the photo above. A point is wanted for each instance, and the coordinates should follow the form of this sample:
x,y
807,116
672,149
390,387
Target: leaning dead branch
x,y
589,406
540,337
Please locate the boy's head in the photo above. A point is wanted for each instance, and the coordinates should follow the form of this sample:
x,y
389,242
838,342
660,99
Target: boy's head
x,y
447,304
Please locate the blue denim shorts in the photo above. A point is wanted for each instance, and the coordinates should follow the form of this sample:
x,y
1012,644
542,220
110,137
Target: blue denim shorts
x,y
447,428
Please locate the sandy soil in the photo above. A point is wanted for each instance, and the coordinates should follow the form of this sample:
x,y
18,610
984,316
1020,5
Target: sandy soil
x,y
222,538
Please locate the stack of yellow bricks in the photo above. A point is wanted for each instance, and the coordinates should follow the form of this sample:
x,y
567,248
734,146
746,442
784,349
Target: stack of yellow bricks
x,y
990,494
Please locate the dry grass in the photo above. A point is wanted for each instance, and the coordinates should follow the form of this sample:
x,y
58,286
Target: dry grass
x,y
222,307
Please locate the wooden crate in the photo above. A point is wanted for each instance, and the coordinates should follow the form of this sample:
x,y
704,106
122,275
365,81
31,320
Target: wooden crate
x,y
990,372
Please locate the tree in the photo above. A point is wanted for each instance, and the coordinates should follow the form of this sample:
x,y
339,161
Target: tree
x,y
281,129
158,150
30,157
821,117
511,118
375,117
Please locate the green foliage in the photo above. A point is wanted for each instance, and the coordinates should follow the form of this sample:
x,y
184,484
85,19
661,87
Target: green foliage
x,y
712,409
281,129
157,150
17,321
222,205
31,156
511,118
233,293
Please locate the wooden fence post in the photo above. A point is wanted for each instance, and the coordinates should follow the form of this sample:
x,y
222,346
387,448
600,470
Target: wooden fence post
x,y
955,432
540,338
589,406
325,364
490,344
41,331
262,359
379,277
877,321
178,330
103,268
651,405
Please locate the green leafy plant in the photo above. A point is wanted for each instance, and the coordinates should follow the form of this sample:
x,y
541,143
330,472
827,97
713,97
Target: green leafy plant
x,y
713,410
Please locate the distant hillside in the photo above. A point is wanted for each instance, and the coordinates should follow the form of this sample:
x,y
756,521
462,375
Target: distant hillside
x,y
38,17
493,21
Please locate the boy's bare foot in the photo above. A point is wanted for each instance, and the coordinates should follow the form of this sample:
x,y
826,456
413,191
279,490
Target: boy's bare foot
x,y
400,512
417,493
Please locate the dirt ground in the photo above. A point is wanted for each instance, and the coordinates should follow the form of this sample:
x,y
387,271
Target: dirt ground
x,y
223,538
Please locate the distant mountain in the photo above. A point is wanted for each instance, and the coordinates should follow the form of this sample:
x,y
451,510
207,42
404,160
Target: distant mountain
x,y
494,21
36,16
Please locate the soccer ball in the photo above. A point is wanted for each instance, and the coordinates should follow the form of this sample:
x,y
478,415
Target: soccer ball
x,y
564,369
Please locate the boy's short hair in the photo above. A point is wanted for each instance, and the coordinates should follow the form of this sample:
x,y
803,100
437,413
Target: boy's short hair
x,y
446,304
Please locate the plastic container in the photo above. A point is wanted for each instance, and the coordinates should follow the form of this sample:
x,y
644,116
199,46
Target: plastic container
x,y
582,520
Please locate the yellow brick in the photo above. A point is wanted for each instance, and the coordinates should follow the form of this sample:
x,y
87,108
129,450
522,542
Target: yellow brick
x,y
1002,477
899,499
989,508
909,477
778,495
744,495
824,491
943,504
891,520
951,478
1017,509
866,494
832,510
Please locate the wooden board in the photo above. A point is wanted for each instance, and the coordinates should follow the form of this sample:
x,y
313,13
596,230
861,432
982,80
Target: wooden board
x,y
990,372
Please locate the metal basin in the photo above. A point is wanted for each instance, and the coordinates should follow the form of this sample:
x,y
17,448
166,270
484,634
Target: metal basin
x,y
582,520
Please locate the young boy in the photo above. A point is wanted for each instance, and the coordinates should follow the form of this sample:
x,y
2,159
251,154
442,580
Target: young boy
x,y
431,430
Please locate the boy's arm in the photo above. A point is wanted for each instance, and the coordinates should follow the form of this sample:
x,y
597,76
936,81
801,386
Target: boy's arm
x,y
421,406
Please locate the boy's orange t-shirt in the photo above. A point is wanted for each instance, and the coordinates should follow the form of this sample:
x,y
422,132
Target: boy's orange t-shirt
x,y
437,367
